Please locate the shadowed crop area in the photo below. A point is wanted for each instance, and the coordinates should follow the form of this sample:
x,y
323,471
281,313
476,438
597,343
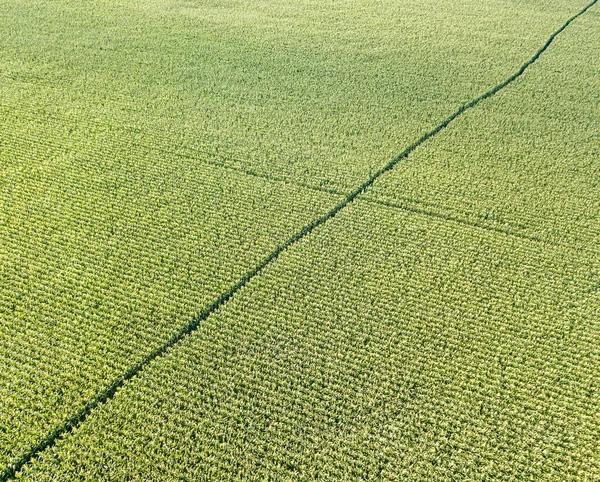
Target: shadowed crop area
x,y
296,240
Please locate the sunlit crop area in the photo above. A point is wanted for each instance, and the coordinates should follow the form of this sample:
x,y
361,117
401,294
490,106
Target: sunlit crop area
x,y
298,240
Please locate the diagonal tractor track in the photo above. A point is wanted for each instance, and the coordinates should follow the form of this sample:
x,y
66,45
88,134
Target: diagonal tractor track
x,y
10,472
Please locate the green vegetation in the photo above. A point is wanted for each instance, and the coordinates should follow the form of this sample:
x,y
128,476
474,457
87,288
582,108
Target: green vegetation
x,y
107,258
527,161
175,168
323,93
386,346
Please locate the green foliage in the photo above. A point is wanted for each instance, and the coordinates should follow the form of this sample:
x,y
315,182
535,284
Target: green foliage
x,y
106,253
385,346
154,155
323,93
527,160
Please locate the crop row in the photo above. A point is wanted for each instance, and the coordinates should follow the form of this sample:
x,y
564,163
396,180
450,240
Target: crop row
x,y
527,159
45,138
290,89
386,345
106,254
110,246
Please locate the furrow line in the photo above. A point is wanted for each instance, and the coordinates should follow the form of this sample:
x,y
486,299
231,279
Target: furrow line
x,y
465,222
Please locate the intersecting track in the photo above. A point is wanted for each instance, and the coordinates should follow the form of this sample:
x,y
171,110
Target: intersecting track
x,y
108,393
207,158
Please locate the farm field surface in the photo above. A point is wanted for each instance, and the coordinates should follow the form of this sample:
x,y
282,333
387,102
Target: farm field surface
x,y
264,241
526,161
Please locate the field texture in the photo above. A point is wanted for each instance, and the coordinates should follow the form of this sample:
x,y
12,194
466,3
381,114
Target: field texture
x,y
264,241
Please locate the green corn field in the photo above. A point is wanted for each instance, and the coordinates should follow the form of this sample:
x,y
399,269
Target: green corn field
x,y
290,240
